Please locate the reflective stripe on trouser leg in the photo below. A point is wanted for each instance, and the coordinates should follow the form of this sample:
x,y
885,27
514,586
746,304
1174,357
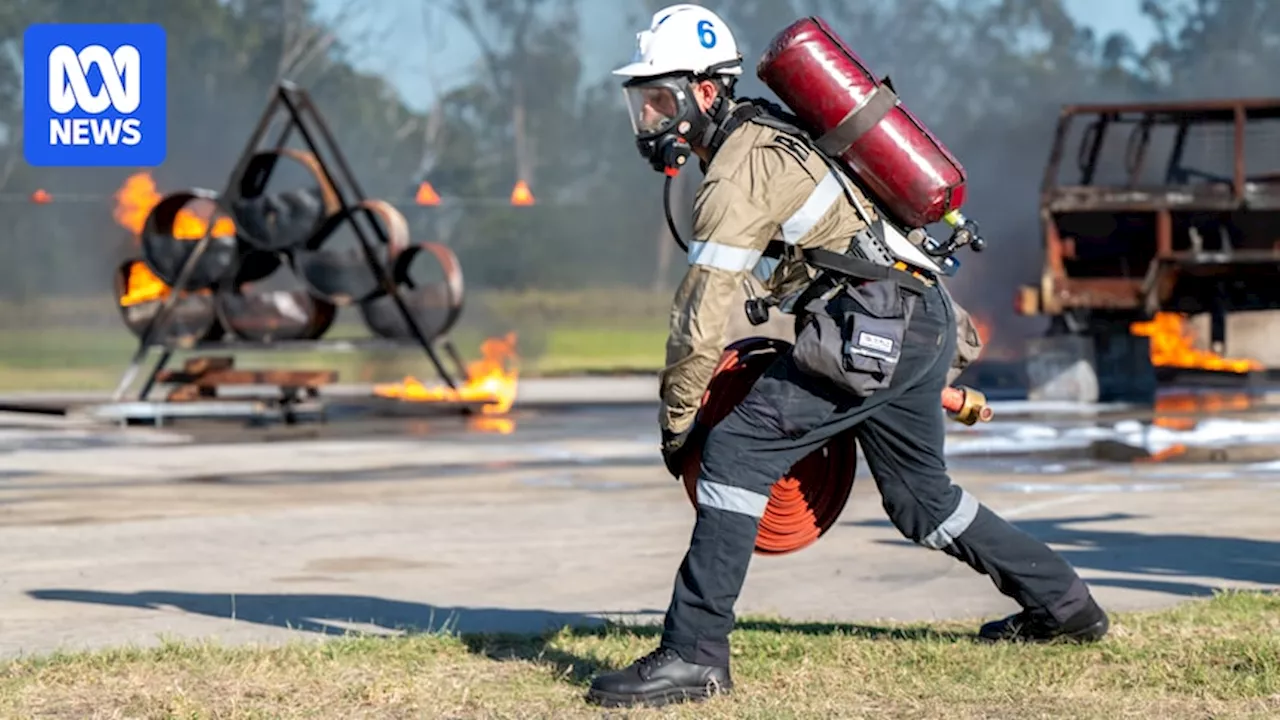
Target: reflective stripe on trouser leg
x,y
956,523
733,499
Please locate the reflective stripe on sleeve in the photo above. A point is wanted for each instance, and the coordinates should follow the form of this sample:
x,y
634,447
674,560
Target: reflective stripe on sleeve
x,y
824,195
724,257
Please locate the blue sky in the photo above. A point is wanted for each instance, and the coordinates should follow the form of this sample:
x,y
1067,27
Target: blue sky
x,y
401,43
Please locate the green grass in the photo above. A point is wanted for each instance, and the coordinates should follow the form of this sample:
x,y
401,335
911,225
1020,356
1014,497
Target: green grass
x,y
1212,658
66,345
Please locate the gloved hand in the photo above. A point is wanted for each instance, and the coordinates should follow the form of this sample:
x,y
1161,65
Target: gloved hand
x,y
676,446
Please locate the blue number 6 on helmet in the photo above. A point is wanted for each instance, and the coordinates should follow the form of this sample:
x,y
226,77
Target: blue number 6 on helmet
x,y
706,33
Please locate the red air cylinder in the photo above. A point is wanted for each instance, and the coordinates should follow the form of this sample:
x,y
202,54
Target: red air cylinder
x,y
857,119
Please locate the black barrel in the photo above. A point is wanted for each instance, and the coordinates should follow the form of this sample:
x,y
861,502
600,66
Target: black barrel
x,y
169,236
139,294
429,280
342,275
286,219
277,308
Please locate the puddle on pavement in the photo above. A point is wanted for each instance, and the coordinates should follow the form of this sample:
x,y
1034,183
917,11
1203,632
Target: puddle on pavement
x,y
1184,426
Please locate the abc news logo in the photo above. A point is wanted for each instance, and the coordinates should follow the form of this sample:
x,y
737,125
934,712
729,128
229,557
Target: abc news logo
x,y
69,90
94,95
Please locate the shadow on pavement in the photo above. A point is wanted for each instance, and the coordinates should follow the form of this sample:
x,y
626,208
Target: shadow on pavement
x,y
496,633
1166,560
330,614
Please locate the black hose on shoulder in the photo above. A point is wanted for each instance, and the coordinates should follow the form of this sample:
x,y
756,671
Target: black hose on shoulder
x,y
666,208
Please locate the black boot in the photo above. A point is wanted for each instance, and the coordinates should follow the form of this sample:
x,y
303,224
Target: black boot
x,y
659,678
1088,625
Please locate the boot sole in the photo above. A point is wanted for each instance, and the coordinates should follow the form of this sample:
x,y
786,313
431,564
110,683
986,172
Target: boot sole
x,y
656,699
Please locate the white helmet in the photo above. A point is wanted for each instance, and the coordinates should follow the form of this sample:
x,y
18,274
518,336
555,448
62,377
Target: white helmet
x,y
684,38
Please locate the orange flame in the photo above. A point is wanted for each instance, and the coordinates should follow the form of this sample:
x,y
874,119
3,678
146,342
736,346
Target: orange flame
x,y
492,382
496,425
1183,410
1172,346
138,195
521,194
983,327
427,195
142,285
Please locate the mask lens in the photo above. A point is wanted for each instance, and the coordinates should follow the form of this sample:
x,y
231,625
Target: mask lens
x,y
653,108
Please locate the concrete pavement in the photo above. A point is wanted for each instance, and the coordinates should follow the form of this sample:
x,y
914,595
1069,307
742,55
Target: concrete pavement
x,y
122,537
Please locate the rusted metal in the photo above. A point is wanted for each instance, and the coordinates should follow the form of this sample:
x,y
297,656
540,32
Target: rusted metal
x,y
1215,108
254,313
1084,199
260,224
1237,180
166,253
1181,243
201,377
1027,301
192,321
343,277
1098,293
1164,233
435,302
293,106
1053,248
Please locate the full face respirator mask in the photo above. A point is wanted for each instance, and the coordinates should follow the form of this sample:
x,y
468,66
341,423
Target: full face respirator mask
x,y
663,116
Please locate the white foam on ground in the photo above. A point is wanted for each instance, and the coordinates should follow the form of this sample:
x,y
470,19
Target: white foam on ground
x,y
1009,438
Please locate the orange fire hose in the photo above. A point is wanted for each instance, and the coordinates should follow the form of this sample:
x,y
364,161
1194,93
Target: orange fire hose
x,y
806,502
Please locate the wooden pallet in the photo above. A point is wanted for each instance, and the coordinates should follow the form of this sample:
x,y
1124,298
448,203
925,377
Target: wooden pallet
x,y
201,377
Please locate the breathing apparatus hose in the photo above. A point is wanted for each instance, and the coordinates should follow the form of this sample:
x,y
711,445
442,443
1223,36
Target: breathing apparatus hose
x,y
806,502
666,209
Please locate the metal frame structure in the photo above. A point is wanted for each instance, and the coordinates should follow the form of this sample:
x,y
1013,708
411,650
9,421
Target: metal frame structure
x,y
1148,290
301,116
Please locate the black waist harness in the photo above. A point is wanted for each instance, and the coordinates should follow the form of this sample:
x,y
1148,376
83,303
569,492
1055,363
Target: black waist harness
x,y
857,268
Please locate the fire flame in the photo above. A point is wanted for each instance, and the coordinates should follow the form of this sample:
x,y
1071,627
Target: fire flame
x,y
983,327
142,285
1183,411
1172,346
491,381
427,195
521,195
138,195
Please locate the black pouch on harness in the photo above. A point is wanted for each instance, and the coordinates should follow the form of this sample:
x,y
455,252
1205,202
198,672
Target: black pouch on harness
x,y
854,338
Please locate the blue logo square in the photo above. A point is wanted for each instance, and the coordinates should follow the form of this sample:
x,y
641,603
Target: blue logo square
x,y
94,95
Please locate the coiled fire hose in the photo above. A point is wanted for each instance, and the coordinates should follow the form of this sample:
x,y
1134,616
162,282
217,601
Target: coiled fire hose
x,y
806,502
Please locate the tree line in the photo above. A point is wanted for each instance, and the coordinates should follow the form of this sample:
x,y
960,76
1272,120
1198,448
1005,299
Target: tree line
x,y
987,76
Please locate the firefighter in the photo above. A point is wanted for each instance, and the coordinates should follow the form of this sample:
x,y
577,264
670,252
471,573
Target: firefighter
x,y
766,185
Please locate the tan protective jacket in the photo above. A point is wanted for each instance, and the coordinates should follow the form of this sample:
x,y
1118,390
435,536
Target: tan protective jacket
x,y
763,184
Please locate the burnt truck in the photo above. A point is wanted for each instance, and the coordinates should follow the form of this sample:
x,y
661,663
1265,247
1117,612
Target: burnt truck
x,y
1151,208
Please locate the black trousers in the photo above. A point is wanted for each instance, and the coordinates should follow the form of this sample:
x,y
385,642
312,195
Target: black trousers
x,y
901,431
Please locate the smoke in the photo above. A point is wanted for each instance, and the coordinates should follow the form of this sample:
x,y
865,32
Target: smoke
x,y
989,80
987,76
